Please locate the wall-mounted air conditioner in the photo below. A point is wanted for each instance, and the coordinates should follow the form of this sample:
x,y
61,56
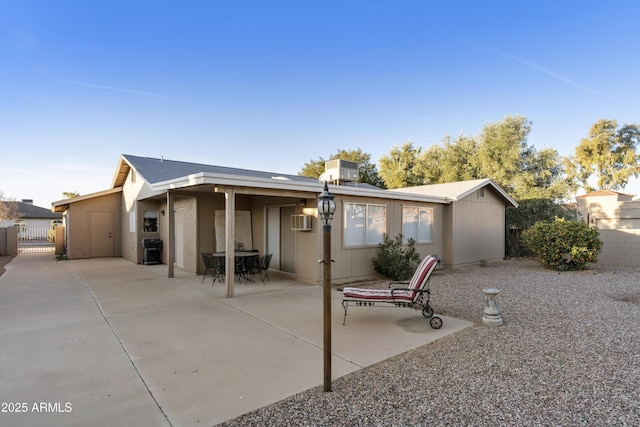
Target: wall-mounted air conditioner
x,y
301,222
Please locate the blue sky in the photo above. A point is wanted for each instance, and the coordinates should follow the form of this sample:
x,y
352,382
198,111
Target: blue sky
x,y
270,85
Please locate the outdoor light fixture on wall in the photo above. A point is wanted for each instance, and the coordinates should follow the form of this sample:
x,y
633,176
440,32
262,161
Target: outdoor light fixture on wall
x,y
326,209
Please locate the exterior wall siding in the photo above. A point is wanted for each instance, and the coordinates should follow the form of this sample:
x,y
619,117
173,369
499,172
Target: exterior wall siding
x,y
478,227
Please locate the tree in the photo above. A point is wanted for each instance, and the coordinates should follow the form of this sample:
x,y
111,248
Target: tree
x,y
367,171
70,194
455,161
8,208
608,154
542,176
398,169
502,147
500,152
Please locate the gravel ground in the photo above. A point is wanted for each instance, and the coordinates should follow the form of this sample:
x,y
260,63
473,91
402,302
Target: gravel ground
x,y
568,354
4,260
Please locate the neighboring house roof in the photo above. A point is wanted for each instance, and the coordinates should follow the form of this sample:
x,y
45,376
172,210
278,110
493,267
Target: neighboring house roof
x,y
455,191
30,211
607,193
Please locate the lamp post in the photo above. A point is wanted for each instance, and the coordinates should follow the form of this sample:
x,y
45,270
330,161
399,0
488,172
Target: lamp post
x,y
326,208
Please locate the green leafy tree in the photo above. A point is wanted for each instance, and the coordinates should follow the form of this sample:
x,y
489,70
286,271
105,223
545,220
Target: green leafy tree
x,y
563,245
455,160
70,194
367,171
542,175
500,152
502,148
398,169
608,155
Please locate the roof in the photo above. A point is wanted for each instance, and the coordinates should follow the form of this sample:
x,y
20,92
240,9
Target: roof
x,y
163,174
606,193
455,191
30,211
61,205
159,170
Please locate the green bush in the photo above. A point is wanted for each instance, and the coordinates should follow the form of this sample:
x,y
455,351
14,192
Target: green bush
x,y
563,245
395,261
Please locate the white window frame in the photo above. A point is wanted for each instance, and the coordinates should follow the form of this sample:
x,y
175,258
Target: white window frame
x,y
360,225
419,218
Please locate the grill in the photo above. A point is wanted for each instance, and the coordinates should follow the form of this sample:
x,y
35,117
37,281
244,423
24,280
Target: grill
x,y
152,248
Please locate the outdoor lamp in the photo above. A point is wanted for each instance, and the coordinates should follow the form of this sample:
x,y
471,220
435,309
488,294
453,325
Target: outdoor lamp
x,y
326,206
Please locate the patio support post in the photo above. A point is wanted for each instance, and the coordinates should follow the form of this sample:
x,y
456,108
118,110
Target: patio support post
x,y
170,235
230,238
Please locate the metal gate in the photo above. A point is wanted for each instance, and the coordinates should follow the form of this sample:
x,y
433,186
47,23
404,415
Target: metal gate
x,y
36,239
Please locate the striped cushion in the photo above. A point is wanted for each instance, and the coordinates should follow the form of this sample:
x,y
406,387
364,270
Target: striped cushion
x,y
422,274
418,281
382,295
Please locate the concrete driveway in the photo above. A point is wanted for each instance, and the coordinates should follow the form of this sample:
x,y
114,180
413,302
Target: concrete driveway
x,y
108,342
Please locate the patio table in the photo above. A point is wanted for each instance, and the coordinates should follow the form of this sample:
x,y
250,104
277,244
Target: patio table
x,y
243,262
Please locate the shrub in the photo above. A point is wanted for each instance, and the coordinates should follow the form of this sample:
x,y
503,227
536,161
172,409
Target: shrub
x,y
395,261
563,245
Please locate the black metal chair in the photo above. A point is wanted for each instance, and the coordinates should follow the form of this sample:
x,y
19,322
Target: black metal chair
x,y
209,265
263,266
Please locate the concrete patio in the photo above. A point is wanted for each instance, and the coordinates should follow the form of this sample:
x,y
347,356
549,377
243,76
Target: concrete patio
x,y
108,342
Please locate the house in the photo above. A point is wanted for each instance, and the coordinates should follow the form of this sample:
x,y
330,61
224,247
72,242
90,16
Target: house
x,y
473,220
617,218
33,221
197,208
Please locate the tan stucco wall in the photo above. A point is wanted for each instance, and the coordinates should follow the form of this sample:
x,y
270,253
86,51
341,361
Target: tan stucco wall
x,y
79,227
619,227
9,241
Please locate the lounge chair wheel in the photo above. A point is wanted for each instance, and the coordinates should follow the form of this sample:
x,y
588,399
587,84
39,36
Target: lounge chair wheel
x,y
436,322
427,312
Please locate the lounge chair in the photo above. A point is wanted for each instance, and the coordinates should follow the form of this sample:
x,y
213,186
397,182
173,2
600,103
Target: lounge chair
x,y
415,294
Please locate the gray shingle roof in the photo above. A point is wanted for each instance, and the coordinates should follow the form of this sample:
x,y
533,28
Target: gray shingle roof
x,y
28,210
159,170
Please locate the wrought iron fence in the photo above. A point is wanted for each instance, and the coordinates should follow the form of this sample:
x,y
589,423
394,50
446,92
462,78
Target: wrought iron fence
x,y
36,239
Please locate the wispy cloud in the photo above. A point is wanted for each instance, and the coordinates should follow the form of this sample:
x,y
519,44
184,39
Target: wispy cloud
x,y
117,89
530,64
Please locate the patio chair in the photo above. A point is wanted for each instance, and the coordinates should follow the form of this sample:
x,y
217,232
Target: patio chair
x,y
415,294
263,266
209,265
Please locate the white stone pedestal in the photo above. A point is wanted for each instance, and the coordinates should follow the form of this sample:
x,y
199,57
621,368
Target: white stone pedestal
x,y
491,316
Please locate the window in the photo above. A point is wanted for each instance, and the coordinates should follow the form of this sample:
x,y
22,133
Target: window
x,y
150,223
417,224
364,224
132,222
